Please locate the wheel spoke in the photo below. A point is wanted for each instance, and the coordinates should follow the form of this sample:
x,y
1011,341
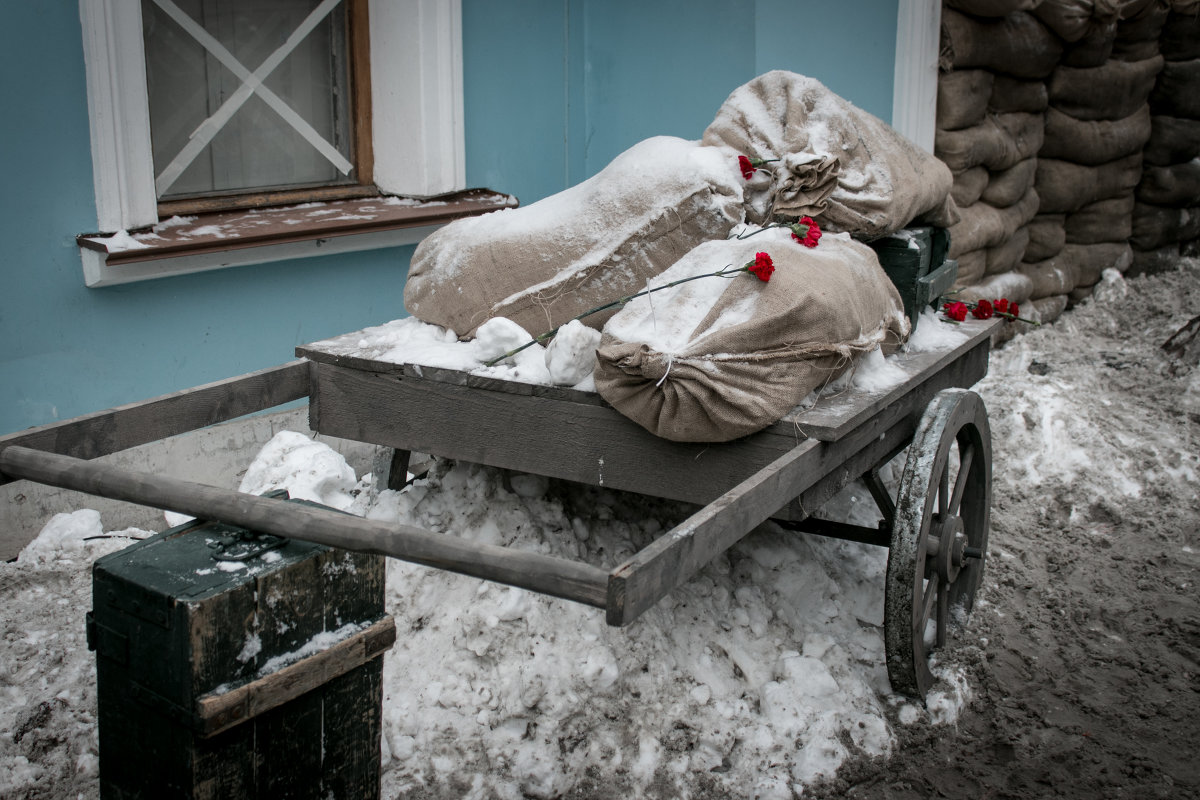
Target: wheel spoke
x,y
944,489
943,611
927,603
960,482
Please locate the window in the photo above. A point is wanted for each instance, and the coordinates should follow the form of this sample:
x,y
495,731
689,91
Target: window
x,y
252,83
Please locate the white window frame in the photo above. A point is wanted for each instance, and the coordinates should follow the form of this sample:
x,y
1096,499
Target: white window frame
x,y
914,89
416,120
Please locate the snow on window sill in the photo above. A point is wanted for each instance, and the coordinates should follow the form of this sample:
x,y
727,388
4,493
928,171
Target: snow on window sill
x,y
181,245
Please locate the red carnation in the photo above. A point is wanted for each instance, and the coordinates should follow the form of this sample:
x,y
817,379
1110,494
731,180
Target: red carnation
x,y
747,167
762,267
982,310
956,311
1001,305
1014,309
812,232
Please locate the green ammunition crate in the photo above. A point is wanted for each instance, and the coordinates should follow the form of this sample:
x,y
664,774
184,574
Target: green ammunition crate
x,y
915,260
231,664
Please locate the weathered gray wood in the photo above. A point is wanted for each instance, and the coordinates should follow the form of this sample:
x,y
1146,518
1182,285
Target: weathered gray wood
x,y
548,575
216,713
397,475
677,555
530,433
130,425
834,416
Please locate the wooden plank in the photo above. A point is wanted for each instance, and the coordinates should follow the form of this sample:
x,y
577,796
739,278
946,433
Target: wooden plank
x,y
554,576
677,555
832,417
218,712
580,442
130,425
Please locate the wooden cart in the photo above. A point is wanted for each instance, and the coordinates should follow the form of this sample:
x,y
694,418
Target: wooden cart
x,y
935,528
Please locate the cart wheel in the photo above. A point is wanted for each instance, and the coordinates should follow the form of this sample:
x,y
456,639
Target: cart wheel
x,y
939,538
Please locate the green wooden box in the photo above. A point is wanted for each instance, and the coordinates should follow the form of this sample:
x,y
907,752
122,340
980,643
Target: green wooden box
x,y
915,260
230,664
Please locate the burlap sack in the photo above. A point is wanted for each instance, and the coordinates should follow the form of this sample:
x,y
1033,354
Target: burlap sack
x,y
991,8
1156,226
969,185
987,226
1005,256
1050,308
884,182
550,261
717,358
972,267
1094,48
1079,294
1057,275
1014,286
1016,45
1180,39
1152,262
1095,142
1071,19
1172,140
1065,187
1103,221
1090,260
1115,90
1047,236
999,142
1011,94
962,98
1007,186
1142,24
1176,185
1177,93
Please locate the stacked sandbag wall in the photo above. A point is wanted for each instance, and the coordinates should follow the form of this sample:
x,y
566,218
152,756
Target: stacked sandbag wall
x,y
1166,212
1086,71
991,112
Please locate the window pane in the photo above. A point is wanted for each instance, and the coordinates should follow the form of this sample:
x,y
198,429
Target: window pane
x,y
264,139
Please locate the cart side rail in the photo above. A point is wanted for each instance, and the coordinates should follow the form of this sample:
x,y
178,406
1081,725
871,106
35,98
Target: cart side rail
x,y
123,427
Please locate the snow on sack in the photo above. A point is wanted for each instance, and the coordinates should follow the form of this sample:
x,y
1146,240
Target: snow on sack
x,y
548,262
884,181
717,358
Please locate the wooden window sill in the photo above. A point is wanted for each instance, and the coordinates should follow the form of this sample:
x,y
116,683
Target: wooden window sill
x,y
181,245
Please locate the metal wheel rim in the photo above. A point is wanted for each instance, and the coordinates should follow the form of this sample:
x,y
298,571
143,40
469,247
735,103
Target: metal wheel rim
x,y
929,509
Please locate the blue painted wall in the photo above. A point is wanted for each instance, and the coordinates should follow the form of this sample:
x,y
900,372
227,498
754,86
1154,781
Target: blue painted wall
x,y
554,89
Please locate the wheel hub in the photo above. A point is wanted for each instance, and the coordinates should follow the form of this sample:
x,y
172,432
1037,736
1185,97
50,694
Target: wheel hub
x,y
951,551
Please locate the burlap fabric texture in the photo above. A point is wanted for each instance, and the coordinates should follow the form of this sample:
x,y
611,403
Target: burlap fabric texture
x,y
719,358
883,181
545,263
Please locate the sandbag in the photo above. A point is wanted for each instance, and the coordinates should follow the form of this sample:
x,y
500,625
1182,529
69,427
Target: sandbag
x,y
1157,226
1144,24
1180,39
1115,90
1079,294
962,98
1172,140
1177,93
1103,221
1071,19
999,142
1152,262
717,358
969,185
991,8
1050,308
1011,94
1016,45
884,181
1090,260
550,261
1007,186
1094,47
1014,286
986,226
1176,185
1065,187
1005,256
972,267
1095,142
1047,236
1057,275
